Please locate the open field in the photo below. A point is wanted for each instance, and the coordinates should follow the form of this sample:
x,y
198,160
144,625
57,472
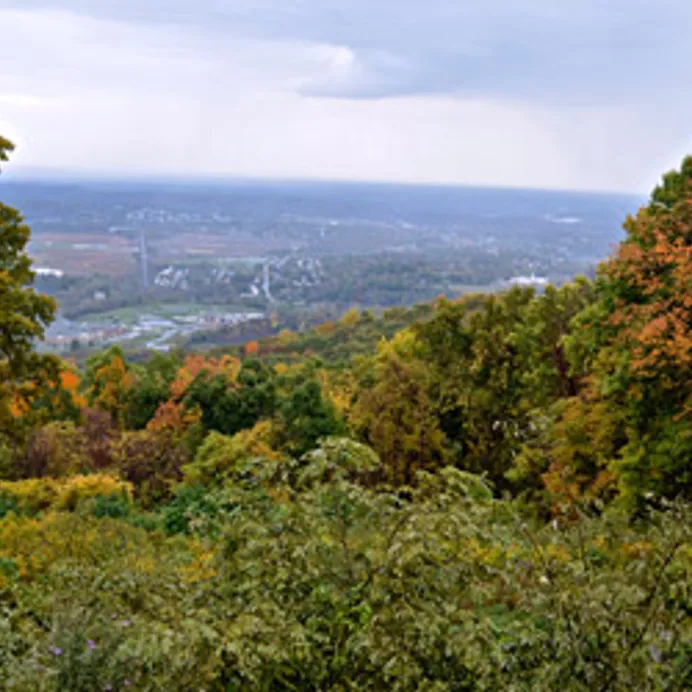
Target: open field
x,y
85,254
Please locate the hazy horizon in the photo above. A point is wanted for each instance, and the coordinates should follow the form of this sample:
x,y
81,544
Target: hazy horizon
x,y
86,177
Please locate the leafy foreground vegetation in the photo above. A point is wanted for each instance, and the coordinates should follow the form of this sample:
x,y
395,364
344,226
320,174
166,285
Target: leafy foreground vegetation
x,y
309,580
494,497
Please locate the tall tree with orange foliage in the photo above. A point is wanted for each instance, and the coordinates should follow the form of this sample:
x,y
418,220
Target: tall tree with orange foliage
x,y
636,343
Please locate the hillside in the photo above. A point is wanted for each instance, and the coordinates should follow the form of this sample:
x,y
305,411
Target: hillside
x,y
483,493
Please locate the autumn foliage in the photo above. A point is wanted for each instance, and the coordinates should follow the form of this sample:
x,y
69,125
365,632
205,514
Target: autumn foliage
x,y
485,493
634,345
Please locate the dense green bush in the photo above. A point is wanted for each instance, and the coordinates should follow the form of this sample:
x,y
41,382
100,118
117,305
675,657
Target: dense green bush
x,y
324,584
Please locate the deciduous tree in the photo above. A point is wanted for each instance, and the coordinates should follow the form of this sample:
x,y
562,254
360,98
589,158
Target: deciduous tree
x,y
635,342
396,415
24,316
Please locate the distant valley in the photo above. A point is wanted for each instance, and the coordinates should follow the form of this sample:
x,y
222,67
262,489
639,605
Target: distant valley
x,y
155,265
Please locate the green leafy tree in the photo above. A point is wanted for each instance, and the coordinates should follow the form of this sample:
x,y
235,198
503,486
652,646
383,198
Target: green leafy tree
x,y
24,316
305,415
540,336
477,382
229,407
150,389
497,365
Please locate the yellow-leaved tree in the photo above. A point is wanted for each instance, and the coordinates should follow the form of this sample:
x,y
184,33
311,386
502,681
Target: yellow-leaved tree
x,y
395,414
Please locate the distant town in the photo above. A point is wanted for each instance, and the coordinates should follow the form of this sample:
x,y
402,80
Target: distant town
x,y
213,263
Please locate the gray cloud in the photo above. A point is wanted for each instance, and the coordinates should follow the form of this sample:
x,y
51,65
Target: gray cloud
x,y
552,93
558,51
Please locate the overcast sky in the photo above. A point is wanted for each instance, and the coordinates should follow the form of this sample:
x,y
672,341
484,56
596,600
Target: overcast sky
x,y
590,94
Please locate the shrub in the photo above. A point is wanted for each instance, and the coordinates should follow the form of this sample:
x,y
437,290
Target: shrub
x,y
8,461
99,436
40,494
220,455
113,506
152,461
194,509
54,450
328,584
78,489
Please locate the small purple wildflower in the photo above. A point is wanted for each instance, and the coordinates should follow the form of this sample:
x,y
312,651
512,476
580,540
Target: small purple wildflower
x,y
56,651
91,644
126,623
108,687
127,683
